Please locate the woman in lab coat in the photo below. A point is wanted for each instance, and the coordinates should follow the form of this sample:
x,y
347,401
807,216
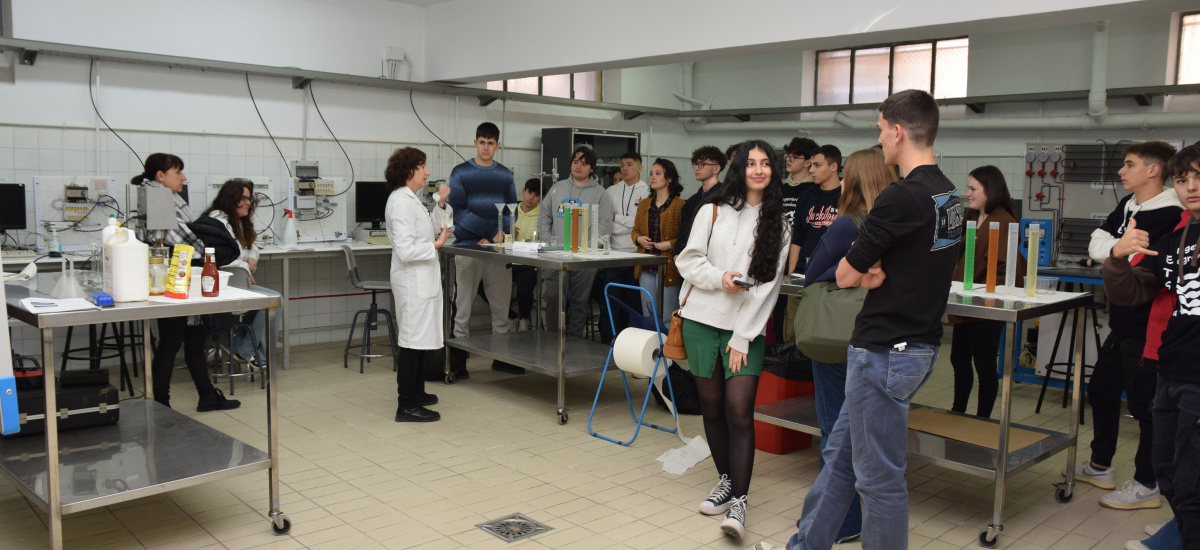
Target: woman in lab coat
x,y
416,281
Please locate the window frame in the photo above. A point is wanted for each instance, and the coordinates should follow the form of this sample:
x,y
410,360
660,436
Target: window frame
x,y
891,46
1179,43
541,90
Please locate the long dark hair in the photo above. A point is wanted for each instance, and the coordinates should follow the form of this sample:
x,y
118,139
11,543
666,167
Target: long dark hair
x,y
768,232
158,162
674,188
227,202
996,189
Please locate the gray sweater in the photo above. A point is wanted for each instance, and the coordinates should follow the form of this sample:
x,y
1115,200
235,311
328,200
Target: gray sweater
x,y
550,218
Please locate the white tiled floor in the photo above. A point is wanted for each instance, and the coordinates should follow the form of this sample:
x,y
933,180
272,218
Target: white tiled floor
x,y
353,478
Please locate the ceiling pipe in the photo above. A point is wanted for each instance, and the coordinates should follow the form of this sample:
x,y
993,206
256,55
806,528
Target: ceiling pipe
x,y
1113,121
1098,94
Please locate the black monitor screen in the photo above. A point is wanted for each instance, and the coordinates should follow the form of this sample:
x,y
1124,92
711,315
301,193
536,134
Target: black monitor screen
x,y
12,206
370,198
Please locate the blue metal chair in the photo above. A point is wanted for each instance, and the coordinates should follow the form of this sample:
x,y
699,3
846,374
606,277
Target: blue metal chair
x,y
636,320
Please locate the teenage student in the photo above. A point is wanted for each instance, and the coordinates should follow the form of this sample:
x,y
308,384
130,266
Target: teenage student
x,y
799,151
974,340
525,276
1170,263
579,189
905,254
166,170
416,278
733,264
817,206
707,163
475,187
655,229
626,194
1121,367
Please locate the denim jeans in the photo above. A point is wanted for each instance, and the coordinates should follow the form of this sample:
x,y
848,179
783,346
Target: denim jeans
x,y
829,392
649,281
873,422
1176,413
259,325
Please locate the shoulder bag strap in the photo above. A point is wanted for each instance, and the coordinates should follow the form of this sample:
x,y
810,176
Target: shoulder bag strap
x,y
710,232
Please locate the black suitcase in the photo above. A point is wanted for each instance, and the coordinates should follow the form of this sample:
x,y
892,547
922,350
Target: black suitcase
x,y
78,406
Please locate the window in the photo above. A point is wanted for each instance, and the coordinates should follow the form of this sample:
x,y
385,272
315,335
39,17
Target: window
x,y
571,85
1189,49
871,73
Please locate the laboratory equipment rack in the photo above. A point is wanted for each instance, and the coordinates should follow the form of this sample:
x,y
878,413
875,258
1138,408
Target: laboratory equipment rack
x,y
799,413
165,449
539,351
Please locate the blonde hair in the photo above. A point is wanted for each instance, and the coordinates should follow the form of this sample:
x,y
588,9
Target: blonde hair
x,y
865,176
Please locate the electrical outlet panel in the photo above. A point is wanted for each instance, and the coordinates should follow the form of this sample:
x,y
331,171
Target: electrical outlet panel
x,y
75,212
76,193
1046,229
324,187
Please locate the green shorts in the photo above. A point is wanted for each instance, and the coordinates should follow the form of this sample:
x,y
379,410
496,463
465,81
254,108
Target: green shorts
x,y
705,344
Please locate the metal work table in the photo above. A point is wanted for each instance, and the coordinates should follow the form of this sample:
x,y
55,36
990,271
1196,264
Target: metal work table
x,y
799,413
530,350
1074,274
158,449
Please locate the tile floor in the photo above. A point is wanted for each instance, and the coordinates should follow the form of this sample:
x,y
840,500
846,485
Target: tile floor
x,y
353,478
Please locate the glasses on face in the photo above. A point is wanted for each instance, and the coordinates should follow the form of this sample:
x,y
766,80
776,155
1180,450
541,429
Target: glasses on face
x,y
245,200
795,158
699,165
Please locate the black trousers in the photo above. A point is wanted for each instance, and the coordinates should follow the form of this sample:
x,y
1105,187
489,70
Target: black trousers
x,y
525,277
172,333
632,298
979,343
410,384
1119,369
1176,412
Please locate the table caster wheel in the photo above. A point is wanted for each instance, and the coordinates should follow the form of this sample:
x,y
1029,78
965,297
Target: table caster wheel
x,y
287,526
1063,495
450,378
562,418
985,542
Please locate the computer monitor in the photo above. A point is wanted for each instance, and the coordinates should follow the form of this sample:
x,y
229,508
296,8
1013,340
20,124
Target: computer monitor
x,y
12,206
370,198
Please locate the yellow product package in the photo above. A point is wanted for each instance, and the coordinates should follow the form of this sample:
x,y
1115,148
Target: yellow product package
x,y
179,274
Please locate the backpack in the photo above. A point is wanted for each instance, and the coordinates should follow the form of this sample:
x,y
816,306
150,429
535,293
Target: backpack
x,y
683,385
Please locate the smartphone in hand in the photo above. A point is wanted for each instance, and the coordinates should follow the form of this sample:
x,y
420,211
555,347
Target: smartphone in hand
x,y
742,283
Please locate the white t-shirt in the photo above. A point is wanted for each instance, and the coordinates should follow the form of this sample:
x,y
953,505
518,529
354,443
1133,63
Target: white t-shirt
x,y
625,200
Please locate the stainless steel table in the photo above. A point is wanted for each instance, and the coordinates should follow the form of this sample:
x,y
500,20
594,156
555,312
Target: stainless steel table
x,y
799,413
536,351
153,449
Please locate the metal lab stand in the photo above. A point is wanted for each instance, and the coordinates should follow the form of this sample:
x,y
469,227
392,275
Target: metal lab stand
x,y
536,351
799,413
159,449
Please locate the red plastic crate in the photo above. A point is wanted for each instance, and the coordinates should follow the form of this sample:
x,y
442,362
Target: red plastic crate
x,y
777,439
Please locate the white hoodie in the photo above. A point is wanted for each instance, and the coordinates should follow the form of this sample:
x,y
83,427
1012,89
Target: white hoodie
x,y
1102,241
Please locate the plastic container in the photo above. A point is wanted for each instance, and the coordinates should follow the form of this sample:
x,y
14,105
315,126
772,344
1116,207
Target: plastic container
x,y
126,267
769,437
290,237
110,229
196,287
210,283
1047,285
54,246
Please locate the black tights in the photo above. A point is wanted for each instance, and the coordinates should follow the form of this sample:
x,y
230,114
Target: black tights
x,y
728,406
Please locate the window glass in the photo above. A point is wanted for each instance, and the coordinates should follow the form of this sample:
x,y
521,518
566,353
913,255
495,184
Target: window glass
x,y
833,77
586,85
950,75
912,68
1189,50
871,68
557,85
528,85
497,85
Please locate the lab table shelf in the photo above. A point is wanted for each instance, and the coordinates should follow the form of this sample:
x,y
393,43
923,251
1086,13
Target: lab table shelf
x,y
538,351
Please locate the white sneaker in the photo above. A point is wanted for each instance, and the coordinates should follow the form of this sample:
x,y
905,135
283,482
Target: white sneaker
x,y
1135,545
522,325
768,545
1103,479
1132,496
735,519
1153,528
718,499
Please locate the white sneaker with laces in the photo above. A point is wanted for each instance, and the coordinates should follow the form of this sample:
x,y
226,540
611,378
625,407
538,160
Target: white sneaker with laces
x,y
735,519
522,325
1085,473
718,499
1132,496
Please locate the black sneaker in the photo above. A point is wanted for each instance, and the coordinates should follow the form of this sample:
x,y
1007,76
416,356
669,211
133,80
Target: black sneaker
x,y
427,400
507,367
216,401
417,414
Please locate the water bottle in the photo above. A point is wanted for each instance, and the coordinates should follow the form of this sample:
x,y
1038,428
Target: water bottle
x,y
54,246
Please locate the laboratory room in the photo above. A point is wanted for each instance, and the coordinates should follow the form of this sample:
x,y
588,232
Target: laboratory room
x,y
434,274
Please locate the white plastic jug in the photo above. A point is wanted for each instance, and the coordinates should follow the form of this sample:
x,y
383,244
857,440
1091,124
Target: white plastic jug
x,y
126,267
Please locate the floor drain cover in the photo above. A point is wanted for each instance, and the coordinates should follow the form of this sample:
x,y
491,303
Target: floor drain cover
x,y
513,527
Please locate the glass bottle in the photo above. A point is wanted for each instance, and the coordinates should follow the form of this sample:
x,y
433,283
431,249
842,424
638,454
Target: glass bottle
x,y
158,276
210,282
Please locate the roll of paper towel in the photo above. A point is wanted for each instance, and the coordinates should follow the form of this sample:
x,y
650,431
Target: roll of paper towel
x,y
636,350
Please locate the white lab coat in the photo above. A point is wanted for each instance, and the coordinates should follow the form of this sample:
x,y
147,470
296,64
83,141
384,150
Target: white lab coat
x,y
416,276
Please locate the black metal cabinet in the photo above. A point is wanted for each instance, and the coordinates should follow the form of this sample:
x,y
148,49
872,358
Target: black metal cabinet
x,y
609,145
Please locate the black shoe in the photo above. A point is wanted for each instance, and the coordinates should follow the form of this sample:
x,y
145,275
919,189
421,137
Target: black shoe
x,y
417,414
461,374
505,367
216,401
427,400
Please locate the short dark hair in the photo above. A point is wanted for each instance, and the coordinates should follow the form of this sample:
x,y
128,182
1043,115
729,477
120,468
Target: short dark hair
x,y
710,153
632,155
1186,160
801,146
916,112
487,130
1153,152
674,187
588,155
731,150
401,165
996,189
832,155
534,185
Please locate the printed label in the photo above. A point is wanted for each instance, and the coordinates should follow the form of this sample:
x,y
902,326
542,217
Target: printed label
x,y
948,230
207,282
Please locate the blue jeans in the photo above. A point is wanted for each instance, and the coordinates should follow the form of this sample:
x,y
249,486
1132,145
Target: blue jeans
x,y
649,281
829,391
259,325
1176,454
874,422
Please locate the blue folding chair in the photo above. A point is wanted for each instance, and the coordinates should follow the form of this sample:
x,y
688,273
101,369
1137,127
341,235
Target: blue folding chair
x,y
636,320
